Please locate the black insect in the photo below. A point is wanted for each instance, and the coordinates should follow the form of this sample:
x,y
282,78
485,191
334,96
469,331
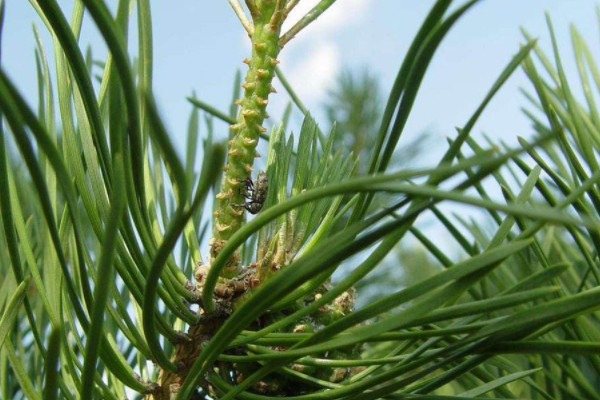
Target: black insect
x,y
256,193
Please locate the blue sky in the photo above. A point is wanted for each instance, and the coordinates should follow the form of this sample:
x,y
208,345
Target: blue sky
x,y
199,44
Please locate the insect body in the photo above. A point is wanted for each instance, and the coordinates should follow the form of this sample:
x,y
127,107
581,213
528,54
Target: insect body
x,y
256,193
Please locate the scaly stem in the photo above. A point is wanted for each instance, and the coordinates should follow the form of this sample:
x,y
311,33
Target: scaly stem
x,y
229,215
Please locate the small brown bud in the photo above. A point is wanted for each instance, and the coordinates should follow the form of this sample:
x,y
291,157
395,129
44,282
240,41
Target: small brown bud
x,y
221,227
237,211
223,291
249,114
263,73
260,46
222,195
249,142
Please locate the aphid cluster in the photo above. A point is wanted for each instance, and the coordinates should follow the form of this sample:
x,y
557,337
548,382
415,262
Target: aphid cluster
x,y
255,193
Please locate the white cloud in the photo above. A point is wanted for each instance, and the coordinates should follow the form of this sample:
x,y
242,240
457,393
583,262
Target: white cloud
x,y
312,60
341,13
311,75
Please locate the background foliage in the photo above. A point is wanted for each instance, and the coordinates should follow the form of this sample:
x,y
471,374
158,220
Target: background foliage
x,y
103,225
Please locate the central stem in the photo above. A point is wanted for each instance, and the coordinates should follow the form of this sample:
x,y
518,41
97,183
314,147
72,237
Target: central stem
x,y
265,34
229,214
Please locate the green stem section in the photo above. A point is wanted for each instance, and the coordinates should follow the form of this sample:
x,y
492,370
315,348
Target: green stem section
x,y
229,214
